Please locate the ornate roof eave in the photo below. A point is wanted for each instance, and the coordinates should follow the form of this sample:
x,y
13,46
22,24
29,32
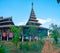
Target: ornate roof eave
x,y
33,19
5,22
3,26
6,18
35,26
33,23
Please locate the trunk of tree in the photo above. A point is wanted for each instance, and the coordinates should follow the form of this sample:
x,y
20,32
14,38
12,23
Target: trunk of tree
x,y
22,38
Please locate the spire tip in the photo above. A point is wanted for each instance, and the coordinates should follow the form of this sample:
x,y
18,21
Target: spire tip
x,y
32,4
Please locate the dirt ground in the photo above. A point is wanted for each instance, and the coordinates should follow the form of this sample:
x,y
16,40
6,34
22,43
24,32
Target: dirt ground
x,y
48,48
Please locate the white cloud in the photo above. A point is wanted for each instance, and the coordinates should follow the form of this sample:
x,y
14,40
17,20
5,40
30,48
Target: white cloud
x,y
44,21
39,20
22,23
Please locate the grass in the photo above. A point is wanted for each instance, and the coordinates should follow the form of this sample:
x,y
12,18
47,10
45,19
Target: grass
x,y
36,47
32,47
56,46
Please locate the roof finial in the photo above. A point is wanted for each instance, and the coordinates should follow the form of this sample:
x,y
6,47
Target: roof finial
x,y
32,4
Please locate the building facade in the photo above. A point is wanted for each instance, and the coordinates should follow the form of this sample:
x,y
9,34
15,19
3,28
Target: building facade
x,y
6,23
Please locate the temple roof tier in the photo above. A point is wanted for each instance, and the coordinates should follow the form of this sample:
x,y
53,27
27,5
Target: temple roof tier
x,y
32,20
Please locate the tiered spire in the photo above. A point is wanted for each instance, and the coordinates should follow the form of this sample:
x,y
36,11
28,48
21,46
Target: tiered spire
x,y
32,20
32,15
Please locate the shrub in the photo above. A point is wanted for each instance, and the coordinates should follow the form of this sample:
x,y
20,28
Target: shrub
x,y
41,45
56,39
24,46
2,50
33,46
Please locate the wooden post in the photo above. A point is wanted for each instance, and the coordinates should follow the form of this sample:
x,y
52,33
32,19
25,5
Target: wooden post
x,y
30,38
1,36
8,31
7,37
22,38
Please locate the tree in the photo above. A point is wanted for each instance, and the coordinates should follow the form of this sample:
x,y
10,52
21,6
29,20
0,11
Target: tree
x,y
16,32
58,1
55,35
42,34
53,26
54,30
32,31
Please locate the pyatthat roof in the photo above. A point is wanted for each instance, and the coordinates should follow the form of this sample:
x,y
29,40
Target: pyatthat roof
x,y
6,22
32,20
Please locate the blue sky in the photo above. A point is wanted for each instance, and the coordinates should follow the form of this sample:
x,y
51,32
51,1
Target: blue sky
x,y
47,11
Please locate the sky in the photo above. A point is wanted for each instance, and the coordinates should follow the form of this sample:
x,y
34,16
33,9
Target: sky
x,y
46,11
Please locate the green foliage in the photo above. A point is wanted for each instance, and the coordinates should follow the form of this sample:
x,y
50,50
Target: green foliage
x,y
15,40
32,31
24,46
56,39
55,32
40,45
16,31
56,46
55,35
42,34
33,46
2,50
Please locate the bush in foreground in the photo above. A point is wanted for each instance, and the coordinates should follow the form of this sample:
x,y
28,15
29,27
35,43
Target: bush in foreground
x,y
32,46
2,50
